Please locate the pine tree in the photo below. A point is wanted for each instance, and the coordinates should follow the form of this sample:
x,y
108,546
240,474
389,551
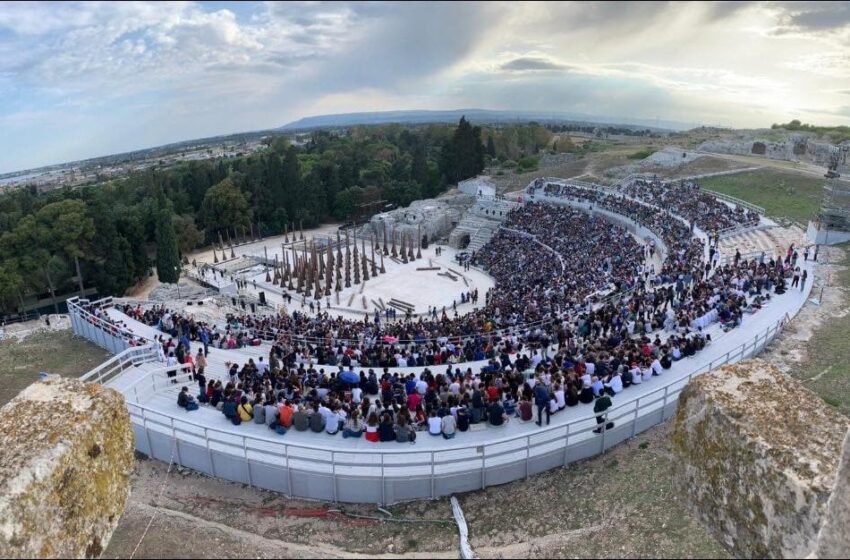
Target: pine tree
x,y
419,165
491,146
167,256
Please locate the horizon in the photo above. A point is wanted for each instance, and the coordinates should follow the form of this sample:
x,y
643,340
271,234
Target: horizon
x,y
83,80
282,130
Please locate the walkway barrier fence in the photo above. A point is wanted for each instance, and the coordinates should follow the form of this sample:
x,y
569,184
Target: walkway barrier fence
x,y
385,476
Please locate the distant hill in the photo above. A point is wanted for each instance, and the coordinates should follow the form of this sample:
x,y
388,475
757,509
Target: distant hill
x,y
485,116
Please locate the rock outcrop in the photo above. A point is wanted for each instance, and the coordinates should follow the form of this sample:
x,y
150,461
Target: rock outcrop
x,y
757,457
834,537
66,454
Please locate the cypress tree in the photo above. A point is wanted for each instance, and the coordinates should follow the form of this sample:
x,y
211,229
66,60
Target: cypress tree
x,y
167,256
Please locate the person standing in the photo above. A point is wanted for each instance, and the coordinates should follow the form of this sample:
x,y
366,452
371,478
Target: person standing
x,y
541,399
803,280
602,404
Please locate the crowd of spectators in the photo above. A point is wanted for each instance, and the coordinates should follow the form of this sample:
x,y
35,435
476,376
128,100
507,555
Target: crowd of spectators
x,y
545,341
687,200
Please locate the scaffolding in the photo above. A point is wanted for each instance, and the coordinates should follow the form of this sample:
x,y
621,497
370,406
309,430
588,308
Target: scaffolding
x,y
835,205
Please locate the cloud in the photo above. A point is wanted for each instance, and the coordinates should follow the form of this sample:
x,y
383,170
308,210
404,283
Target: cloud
x,y
811,16
84,78
531,64
830,64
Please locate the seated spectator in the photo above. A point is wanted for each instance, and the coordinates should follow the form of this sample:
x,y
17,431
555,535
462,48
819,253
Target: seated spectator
x,y
317,419
435,425
572,395
229,409
586,395
526,410
259,410
462,418
245,410
386,430
353,426
496,414
614,386
185,400
404,432
300,419
372,428
448,425
286,414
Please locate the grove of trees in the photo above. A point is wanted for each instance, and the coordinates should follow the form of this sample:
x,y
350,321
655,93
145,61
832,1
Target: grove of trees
x,y
114,232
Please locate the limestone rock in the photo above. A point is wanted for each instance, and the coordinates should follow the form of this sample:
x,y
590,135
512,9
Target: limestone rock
x,y
66,454
834,537
757,455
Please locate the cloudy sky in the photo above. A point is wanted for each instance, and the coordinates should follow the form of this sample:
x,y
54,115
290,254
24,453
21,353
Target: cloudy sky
x,y
86,79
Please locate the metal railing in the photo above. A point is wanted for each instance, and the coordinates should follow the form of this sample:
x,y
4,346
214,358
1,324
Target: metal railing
x,y
739,229
434,473
118,364
737,201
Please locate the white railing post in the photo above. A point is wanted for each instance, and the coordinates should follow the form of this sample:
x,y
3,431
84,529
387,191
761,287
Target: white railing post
x,y
383,483
527,454
247,462
176,442
433,482
288,471
333,475
209,451
147,434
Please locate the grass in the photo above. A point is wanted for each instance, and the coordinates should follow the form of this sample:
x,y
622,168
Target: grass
x,y
641,154
828,351
784,195
622,504
54,352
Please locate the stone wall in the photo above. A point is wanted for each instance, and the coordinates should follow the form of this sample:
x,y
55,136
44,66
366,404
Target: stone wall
x,y
757,456
66,454
433,217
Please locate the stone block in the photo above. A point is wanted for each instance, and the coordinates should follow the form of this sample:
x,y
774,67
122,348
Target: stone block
x,y
66,455
757,456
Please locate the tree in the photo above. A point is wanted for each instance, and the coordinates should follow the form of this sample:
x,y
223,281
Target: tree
x,y
491,146
11,285
463,155
31,241
167,254
346,202
402,193
188,235
225,207
69,230
419,164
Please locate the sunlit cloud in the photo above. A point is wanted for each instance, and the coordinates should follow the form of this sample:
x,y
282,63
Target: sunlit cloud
x,y
84,79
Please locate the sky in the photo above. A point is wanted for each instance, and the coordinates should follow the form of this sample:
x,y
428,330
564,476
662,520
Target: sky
x,y
80,80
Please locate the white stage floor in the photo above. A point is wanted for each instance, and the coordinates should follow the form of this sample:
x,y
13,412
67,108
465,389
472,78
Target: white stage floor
x,y
420,288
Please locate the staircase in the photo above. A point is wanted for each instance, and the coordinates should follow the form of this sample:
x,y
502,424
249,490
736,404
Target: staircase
x,y
773,241
481,238
481,222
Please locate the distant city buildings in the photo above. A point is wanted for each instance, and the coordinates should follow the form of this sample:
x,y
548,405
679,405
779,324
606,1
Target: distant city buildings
x,y
77,174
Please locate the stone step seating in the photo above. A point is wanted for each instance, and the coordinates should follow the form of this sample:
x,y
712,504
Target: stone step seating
x,y
772,241
480,239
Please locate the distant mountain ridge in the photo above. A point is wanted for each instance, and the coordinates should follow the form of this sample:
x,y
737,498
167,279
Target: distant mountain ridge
x,y
487,116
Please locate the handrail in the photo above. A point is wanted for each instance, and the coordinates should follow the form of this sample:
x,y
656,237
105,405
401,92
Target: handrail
x,y
765,336
734,200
